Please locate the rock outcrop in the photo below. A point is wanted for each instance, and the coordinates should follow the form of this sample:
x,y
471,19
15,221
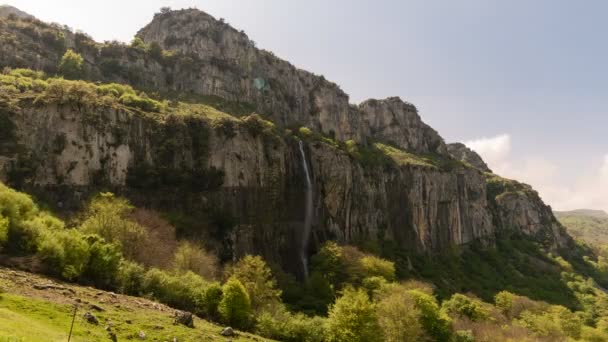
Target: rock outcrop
x,y
6,10
378,173
462,152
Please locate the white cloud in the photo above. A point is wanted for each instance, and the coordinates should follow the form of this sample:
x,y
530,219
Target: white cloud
x,y
587,191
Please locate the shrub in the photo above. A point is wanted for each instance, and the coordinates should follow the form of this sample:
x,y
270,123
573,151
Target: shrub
x,y
160,239
256,125
463,306
144,103
104,262
280,324
207,305
235,306
353,318
106,216
21,222
115,89
399,318
258,280
182,291
64,252
28,73
512,305
305,132
3,230
342,264
434,323
71,65
330,264
138,43
190,257
130,278
374,266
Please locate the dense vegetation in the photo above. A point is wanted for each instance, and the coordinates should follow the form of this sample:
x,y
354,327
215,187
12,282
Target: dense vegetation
x,y
350,296
589,226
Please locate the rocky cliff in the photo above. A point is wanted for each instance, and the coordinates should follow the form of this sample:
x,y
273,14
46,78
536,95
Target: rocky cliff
x,y
461,152
379,174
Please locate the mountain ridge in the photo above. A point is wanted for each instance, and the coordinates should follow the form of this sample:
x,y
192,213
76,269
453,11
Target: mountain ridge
x,y
379,173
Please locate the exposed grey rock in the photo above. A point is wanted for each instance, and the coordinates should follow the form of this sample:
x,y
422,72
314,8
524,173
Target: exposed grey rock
x,y
6,10
398,122
228,331
96,307
462,152
89,317
50,287
184,318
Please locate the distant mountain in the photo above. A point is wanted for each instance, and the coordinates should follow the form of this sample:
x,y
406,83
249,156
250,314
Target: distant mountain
x,y
586,224
6,10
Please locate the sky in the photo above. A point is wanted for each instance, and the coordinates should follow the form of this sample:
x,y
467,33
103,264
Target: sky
x,y
524,83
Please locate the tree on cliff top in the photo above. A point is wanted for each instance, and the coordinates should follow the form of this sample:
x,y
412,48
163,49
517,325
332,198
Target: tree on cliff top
x,y
71,65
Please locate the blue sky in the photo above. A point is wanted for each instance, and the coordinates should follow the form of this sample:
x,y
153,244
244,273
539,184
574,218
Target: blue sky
x,y
523,82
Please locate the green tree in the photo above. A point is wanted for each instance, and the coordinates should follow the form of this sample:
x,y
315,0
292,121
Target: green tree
x,y
463,306
399,317
190,257
374,266
257,278
235,306
106,216
329,262
64,252
104,262
138,43
434,323
353,319
71,65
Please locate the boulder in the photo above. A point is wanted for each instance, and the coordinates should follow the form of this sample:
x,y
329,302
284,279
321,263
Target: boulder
x,y
227,331
90,318
184,318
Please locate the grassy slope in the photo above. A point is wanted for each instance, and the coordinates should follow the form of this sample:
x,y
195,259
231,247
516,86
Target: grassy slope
x,y
590,226
28,314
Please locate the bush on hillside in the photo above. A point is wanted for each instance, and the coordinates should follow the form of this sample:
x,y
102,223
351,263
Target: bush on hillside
x,y
71,65
64,252
106,216
104,262
463,306
258,280
190,257
353,318
235,306
282,325
435,324
142,102
130,278
399,317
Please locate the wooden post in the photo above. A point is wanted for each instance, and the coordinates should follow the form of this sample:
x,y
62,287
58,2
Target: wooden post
x,y
73,319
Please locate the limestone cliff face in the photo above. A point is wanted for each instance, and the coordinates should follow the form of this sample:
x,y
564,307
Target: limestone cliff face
x,y
233,68
398,122
461,152
245,187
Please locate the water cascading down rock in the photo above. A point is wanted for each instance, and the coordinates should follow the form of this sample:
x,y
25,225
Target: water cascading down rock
x,y
307,214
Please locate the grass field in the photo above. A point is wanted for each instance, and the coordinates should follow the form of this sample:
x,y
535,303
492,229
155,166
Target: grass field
x,y
29,314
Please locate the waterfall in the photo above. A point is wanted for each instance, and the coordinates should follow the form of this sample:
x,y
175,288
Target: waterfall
x,y
308,213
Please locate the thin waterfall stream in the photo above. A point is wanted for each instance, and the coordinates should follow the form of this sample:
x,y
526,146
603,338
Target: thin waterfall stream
x,y
307,213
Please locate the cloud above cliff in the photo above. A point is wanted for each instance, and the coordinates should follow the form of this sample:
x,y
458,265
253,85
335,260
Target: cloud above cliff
x,y
589,189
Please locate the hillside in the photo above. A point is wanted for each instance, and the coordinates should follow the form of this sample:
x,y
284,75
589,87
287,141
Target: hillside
x,y
195,169
589,225
34,308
